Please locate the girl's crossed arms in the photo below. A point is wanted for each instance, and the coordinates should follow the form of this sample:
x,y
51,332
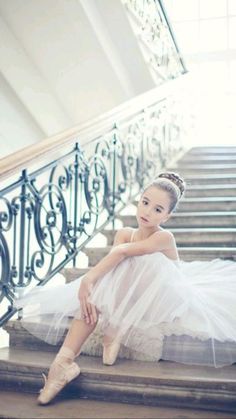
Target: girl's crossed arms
x,y
122,248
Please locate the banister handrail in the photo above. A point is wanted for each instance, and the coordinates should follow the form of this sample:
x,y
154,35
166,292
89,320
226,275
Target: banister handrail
x,y
86,131
52,209
155,36
172,34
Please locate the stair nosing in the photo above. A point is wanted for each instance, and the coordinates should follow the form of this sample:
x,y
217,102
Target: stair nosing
x,y
118,370
223,248
192,213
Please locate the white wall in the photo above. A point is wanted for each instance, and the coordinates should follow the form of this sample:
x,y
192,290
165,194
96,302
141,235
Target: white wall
x,y
17,126
64,62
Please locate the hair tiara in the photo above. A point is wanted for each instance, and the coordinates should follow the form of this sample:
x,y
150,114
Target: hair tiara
x,y
172,179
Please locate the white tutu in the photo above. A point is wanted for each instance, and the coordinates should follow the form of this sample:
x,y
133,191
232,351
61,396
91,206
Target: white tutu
x,y
149,302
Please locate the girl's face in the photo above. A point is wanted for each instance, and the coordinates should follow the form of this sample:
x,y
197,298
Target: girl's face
x,y
153,207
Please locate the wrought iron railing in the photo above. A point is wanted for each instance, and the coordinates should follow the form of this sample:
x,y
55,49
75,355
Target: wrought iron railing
x,y
50,211
156,39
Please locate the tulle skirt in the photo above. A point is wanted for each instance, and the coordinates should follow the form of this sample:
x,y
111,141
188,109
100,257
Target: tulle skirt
x,y
172,310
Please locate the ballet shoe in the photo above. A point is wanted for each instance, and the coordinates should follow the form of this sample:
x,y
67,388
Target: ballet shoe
x,y
56,381
110,352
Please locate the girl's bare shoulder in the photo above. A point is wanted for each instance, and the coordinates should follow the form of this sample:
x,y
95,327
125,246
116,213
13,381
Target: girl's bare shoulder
x,y
123,235
165,233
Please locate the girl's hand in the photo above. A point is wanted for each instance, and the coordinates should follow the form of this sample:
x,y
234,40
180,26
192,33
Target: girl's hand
x,y
88,310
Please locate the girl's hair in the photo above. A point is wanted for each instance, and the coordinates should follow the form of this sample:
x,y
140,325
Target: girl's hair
x,y
172,183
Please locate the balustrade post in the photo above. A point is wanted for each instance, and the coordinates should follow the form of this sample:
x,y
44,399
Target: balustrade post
x,y
142,162
76,166
22,229
114,179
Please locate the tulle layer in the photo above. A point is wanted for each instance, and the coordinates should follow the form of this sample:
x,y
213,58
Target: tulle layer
x,y
180,311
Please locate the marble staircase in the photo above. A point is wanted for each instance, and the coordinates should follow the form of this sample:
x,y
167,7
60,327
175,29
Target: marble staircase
x,y
205,228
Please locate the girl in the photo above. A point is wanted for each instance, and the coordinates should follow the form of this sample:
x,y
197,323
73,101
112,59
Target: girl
x,y
143,297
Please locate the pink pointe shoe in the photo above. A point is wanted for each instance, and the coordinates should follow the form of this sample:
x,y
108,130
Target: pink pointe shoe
x,y
58,377
110,351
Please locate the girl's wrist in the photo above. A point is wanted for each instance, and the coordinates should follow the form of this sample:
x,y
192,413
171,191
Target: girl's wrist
x,y
88,278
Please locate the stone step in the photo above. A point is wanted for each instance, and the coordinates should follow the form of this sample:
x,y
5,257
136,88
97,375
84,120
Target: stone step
x,y
191,219
144,383
211,191
207,204
20,338
199,159
198,236
71,274
206,253
205,169
17,405
209,179
188,253
198,204
213,150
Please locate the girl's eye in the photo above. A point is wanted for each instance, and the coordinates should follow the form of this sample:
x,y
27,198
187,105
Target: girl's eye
x,y
145,202
158,210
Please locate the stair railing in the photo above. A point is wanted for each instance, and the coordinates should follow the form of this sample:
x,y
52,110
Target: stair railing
x,y
56,195
157,42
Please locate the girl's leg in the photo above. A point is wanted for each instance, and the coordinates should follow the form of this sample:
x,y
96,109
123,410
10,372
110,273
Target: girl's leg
x,y
63,369
77,334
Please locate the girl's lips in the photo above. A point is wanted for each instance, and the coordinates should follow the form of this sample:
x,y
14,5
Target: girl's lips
x,y
144,219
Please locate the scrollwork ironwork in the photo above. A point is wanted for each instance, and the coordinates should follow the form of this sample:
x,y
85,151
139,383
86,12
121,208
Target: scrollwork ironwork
x,y
159,47
48,215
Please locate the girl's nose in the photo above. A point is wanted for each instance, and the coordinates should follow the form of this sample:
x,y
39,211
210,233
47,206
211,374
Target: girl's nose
x,y
148,210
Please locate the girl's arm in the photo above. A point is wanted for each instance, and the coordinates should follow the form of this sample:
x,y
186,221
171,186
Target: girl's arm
x,y
158,241
103,266
111,260
161,240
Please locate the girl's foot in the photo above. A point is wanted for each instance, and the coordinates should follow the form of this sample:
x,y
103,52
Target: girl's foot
x,y
58,377
110,350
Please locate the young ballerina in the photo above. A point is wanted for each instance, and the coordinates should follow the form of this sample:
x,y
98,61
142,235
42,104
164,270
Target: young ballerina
x,y
142,293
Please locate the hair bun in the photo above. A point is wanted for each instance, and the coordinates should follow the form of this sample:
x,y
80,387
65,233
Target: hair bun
x,y
175,178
